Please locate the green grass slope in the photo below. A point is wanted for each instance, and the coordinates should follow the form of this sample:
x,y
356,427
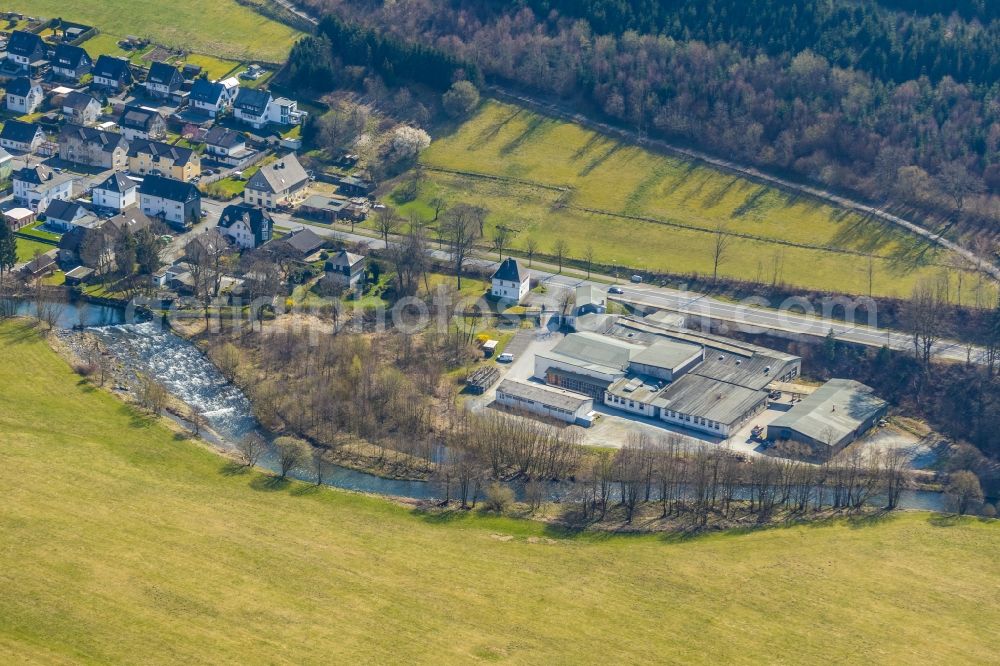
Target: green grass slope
x,y
220,27
121,543
554,179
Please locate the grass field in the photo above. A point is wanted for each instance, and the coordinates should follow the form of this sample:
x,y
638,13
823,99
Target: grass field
x,y
223,28
124,543
26,249
553,179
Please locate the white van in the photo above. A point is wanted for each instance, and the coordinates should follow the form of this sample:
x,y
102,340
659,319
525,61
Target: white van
x,y
505,358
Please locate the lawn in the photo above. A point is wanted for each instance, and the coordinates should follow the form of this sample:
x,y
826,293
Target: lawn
x,y
556,180
124,543
27,249
223,28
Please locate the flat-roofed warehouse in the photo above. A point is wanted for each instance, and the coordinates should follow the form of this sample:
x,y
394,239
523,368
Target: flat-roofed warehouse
x,y
695,380
546,401
836,414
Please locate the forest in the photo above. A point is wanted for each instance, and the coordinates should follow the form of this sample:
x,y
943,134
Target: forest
x,y
903,122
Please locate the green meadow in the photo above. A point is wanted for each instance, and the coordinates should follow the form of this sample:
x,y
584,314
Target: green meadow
x,y
124,542
635,208
223,28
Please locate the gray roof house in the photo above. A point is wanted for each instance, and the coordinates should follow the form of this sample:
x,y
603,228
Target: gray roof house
x,y
138,122
280,183
80,108
92,147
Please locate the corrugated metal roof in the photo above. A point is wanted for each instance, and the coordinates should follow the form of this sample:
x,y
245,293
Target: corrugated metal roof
x,y
546,395
833,411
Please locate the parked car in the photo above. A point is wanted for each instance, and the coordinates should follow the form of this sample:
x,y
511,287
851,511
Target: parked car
x,y
636,278
615,290
505,358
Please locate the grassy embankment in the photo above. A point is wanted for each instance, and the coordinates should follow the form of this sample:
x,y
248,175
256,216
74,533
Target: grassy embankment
x,y
122,542
548,177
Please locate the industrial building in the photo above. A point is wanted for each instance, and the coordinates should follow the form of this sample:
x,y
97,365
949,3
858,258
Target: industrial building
x,y
546,401
829,419
642,366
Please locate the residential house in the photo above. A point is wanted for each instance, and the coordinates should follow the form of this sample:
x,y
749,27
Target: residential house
x,y
248,227
232,86
251,107
225,145
93,147
6,164
112,73
139,122
162,159
117,192
24,95
349,268
301,243
176,202
37,187
510,281
71,62
64,215
26,50
284,111
80,108
208,96
280,183
163,80
21,136
94,247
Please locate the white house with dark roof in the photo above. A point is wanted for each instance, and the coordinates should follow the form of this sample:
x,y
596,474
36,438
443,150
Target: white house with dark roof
x,y
209,97
71,62
163,80
251,107
176,202
26,50
37,187
63,215
117,192
247,226
80,108
510,282
225,145
281,183
24,95
112,73
140,122
21,136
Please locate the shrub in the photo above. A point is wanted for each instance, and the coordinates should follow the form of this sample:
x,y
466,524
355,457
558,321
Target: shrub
x,y
498,498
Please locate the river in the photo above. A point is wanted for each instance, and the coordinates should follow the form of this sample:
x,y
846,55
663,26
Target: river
x,y
185,371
